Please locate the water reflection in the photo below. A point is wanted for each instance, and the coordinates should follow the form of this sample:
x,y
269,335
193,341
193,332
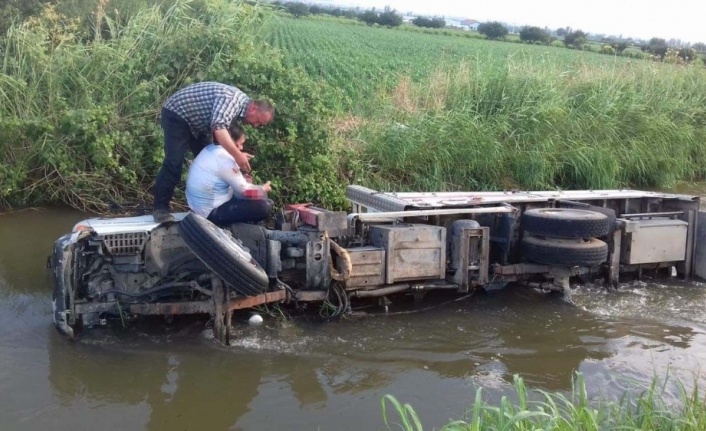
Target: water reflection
x,y
193,387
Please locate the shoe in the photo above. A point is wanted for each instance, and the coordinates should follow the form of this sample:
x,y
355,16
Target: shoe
x,y
162,216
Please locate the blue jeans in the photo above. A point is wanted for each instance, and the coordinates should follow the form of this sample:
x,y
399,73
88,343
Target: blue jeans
x,y
177,140
239,210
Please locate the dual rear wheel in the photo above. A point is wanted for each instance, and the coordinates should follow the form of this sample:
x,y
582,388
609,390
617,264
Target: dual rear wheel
x,y
565,236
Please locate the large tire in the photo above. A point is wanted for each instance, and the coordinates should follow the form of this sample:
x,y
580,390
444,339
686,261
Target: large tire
x,y
564,252
224,255
566,223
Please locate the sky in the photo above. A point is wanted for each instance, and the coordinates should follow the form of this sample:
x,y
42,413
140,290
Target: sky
x,y
678,19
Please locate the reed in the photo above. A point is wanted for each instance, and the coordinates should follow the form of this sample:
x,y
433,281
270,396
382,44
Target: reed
x,y
524,123
647,408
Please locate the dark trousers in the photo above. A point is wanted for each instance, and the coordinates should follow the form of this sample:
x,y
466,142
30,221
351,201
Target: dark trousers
x,y
177,140
238,210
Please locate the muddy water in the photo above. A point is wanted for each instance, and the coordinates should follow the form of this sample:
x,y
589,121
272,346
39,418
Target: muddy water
x,y
307,375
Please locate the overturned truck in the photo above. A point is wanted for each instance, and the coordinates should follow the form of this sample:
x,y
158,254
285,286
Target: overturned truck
x,y
390,244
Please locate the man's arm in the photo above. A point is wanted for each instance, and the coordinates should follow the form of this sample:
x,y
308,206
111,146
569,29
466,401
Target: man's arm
x,y
224,140
225,109
229,173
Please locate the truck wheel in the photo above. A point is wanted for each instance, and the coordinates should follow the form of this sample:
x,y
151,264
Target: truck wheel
x,y
224,255
566,223
564,252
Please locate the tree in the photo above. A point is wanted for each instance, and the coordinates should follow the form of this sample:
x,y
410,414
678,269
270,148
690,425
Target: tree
x,y
656,46
700,47
493,30
298,9
316,10
621,46
390,18
533,35
563,31
436,22
575,39
369,17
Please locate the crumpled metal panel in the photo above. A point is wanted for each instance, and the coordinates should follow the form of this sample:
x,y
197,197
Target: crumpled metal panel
x,y
375,200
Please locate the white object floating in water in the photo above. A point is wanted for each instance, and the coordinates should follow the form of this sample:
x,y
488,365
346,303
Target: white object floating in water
x,y
255,320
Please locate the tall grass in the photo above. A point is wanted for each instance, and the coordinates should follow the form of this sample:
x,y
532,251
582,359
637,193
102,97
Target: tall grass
x,y
77,115
647,409
79,106
536,122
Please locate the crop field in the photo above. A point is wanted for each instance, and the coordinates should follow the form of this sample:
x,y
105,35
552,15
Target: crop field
x,y
441,112
361,61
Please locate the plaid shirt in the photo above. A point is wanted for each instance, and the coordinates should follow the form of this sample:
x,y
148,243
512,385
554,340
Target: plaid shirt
x,y
208,106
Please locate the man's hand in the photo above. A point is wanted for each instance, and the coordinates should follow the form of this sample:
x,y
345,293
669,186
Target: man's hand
x,y
224,139
267,187
242,160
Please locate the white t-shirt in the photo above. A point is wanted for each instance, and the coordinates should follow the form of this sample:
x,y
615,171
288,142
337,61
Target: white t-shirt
x,y
212,180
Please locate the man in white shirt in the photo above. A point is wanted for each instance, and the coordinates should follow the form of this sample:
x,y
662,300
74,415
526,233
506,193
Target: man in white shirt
x,y
217,189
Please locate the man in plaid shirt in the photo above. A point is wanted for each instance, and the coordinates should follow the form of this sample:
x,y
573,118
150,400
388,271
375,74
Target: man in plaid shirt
x,y
192,118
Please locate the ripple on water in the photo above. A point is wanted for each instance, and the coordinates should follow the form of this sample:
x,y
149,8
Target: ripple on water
x,y
674,302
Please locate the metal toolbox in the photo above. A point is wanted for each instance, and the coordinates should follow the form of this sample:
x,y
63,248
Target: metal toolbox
x,y
412,251
653,240
368,267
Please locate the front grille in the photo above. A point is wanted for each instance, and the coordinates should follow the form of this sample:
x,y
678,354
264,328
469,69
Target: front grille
x,y
125,243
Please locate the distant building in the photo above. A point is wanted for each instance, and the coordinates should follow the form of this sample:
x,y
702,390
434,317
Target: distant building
x,y
466,24
470,23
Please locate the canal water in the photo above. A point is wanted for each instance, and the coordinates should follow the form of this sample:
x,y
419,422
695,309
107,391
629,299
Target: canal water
x,y
329,376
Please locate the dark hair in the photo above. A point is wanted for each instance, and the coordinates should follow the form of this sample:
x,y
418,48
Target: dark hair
x,y
235,131
264,106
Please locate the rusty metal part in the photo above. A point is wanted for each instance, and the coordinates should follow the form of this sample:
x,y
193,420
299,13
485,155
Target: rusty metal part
x,y
192,307
252,301
343,254
310,295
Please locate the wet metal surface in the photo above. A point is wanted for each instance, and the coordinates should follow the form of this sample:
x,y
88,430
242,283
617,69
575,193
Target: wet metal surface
x,y
309,375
